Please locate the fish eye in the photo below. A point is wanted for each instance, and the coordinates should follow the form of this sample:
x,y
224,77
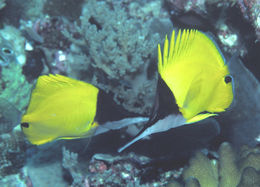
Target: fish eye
x,y
228,79
7,51
25,125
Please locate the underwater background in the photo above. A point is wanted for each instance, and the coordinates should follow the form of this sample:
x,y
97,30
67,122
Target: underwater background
x,y
112,44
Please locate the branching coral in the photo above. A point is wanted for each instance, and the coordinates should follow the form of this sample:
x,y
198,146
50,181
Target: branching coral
x,y
70,162
116,54
119,54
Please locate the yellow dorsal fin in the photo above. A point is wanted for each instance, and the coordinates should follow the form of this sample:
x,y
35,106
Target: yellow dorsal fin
x,y
50,84
178,47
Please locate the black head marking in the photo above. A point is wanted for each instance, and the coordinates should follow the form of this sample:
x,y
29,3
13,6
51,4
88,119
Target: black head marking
x,y
25,125
228,79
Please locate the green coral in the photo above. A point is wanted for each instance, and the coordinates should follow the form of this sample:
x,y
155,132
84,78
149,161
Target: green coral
x,y
119,54
230,170
16,41
14,87
203,169
250,177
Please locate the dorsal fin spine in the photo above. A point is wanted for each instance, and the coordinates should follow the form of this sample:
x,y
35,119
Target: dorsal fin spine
x,y
165,50
159,58
172,45
177,44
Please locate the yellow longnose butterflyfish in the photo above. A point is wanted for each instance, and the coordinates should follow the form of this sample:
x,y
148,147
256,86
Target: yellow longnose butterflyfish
x,y
194,83
65,108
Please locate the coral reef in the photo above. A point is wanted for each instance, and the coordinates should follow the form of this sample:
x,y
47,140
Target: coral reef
x,y
225,168
198,6
20,179
116,54
9,116
14,96
124,57
110,170
63,8
229,39
14,87
220,16
12,157
179,6
251,11
70,162
12,46
204,170
229,169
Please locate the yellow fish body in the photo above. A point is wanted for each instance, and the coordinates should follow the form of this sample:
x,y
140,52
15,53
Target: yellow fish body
x,y
195,72
197,82
60,108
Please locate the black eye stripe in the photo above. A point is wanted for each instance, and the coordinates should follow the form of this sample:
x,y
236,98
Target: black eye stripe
x,y
25,125
228,79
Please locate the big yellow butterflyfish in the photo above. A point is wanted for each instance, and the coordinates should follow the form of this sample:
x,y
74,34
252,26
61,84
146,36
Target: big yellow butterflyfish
x,y
65,108
194,83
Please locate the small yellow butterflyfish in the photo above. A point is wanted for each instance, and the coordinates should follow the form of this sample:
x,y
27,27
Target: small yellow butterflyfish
x,y
194,83
60,108
65,108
